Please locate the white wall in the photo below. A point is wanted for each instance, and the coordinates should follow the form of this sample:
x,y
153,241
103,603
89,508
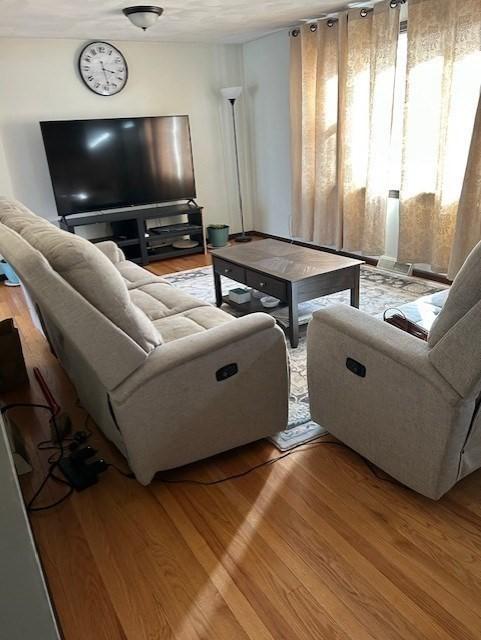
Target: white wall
x,y
39,81
266,76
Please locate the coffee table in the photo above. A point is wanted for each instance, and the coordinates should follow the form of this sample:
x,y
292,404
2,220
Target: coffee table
x,y
286,271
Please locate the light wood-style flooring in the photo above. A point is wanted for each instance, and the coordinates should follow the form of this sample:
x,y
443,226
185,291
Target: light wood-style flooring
x,y
312,547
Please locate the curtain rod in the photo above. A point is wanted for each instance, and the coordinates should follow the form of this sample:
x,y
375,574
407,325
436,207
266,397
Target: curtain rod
x,y
332,18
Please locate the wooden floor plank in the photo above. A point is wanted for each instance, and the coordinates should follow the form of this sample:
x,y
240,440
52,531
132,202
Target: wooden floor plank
x,y
314,546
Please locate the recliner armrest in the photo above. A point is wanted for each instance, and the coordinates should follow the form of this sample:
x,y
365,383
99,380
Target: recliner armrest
x,y
378,337
184,350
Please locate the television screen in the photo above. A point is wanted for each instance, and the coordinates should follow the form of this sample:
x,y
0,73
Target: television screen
x,y
118,162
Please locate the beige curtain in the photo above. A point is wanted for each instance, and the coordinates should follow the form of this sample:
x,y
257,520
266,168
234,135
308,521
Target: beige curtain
x,y
314,132
444,72
367,116
342,85
468,222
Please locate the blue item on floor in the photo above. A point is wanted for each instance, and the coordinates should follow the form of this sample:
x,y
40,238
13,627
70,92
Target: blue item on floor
x,y
10,274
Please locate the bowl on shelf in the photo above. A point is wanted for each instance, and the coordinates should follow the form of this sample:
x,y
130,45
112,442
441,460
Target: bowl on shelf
x,y
269,302
185,244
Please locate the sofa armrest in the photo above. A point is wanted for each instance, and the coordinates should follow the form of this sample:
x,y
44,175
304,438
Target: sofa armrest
x,y
184,350
176,408
111,250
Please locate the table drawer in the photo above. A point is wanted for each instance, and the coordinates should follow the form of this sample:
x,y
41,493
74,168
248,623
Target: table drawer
x,y
271,286
230,270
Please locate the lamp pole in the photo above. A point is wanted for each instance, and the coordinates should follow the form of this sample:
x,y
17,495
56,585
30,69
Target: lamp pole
x,y
232,93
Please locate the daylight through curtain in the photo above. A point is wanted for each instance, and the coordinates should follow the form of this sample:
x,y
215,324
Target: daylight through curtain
x,y
444,73
366,131
314,127
342,85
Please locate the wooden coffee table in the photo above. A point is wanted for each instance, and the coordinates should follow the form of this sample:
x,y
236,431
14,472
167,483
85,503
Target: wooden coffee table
x,y
286,271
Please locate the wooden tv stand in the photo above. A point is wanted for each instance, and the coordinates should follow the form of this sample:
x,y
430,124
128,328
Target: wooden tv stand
x,y
130,230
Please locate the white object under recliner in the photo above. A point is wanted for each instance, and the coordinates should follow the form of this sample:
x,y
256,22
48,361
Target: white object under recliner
x,y
148,361
415,412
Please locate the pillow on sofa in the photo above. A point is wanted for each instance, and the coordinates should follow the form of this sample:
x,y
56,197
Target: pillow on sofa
x,y
93,275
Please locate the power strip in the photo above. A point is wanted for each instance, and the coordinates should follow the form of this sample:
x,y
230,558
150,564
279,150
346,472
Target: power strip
x,y
80,473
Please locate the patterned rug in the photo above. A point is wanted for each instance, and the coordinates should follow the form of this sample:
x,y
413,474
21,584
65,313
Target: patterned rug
x,y
380,290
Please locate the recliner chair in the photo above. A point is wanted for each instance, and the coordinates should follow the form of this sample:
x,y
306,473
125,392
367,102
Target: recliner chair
x,y
410,407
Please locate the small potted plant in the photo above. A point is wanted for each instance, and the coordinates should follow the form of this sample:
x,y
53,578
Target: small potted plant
x,y
218,234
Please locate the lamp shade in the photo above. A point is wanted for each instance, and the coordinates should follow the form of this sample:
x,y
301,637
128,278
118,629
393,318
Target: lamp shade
x,y
231,93
143,16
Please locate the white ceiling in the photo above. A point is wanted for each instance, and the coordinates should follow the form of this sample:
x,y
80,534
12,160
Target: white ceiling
x,y
183,20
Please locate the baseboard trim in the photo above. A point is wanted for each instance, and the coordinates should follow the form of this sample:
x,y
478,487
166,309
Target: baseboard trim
x,y
418,273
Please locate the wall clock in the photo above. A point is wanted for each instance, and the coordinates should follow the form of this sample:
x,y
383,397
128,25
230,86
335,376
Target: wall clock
x,y
103,68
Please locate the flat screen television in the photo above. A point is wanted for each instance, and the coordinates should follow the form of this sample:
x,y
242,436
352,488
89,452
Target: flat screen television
x,y
119,162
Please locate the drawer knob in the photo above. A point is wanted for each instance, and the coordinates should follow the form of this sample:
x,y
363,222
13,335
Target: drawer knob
x,y
227,270
262,284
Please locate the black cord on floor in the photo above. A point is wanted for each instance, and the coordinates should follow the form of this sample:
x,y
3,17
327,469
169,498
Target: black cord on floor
x,y
59,446
52,460
297,449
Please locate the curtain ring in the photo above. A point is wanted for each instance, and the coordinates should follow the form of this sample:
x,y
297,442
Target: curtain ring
x,y
295,33
364,12
313,27
330,22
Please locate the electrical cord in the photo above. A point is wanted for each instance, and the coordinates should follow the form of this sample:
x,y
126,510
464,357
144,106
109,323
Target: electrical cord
x,y
297,449
53,462
59,446
30,405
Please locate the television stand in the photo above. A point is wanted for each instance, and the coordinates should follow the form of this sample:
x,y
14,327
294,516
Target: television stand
x,y
143,244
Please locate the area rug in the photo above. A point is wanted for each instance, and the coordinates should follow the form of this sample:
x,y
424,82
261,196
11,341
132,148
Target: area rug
x,y
380,290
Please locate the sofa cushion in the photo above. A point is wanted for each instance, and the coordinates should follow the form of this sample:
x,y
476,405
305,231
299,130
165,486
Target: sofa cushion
x,y
464,294
93,275
193,321
135,276
158,300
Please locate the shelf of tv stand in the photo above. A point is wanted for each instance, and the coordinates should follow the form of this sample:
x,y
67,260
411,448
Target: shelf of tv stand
x,y
119,241
162,253
136,233
174,231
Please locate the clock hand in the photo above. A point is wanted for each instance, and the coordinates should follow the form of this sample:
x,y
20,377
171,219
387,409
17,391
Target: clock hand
x,y
105,74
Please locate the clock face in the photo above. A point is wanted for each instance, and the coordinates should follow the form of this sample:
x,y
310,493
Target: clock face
x,y
103,68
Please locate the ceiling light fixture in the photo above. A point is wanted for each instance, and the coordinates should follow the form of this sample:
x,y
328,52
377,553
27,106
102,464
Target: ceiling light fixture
x,y
143,16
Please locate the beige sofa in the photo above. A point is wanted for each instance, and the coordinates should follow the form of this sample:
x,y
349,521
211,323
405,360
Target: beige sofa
x,y
415,413
144,357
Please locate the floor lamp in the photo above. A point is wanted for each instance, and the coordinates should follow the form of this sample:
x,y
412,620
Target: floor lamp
x,y
231,94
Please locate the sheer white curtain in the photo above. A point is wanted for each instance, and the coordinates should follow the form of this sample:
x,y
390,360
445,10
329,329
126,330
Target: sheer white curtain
x,y
342,86
314,128
444,74
367,117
